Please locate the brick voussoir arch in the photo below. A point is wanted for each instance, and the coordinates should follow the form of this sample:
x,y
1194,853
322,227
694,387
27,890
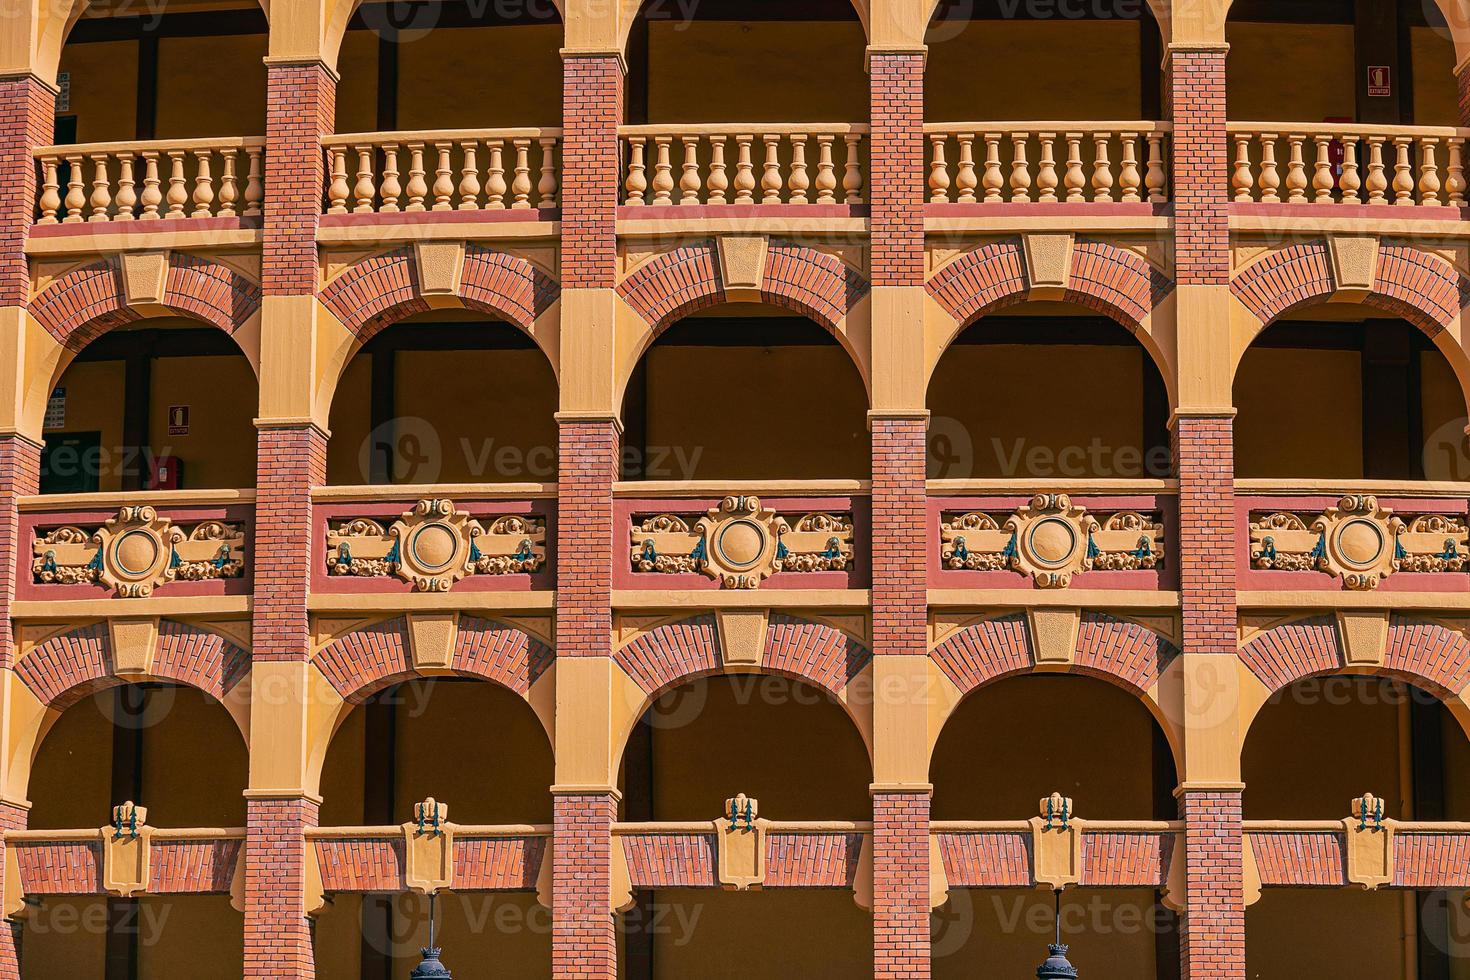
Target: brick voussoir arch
x,y
64,668
1105,278
86,302
370,658
1122,653
1423,289
1418,650
668,655
385,288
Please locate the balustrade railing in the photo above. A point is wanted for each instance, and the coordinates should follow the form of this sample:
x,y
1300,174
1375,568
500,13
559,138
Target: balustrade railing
x,y
1288,163
444,170
97,182
1048,162
744,165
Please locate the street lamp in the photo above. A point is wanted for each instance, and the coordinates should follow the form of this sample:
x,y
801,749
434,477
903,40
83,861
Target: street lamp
x,y
1057,966
430,968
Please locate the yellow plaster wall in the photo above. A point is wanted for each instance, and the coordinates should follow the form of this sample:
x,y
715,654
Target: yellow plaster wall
x,y
1319,84
710,935
996,756
785,412
1365,930
768,71
1435,98
94,402
1323,435
782,742
63,939
502,76
1052,55
350,424
198,936
998,398
104,86
233,107
357,92
72,772
1004,933
221,393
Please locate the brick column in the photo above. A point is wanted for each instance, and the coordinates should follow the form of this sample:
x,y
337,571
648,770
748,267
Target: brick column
x,y
277,931
899,546
12,817
584,943
1212,944
301,105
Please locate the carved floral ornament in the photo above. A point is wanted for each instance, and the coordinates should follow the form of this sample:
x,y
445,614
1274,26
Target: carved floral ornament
x,y
1050,539
137,551
740,542
434,545
1360,542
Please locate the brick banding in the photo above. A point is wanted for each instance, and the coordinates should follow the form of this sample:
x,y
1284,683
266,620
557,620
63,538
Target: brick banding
x,y
670,860
371,658
1300,859
999,859
501,864
87,302
65,668
1419,651
812,860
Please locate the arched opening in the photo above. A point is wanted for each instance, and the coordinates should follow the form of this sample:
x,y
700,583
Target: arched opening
x,y
1001,752
163,404
176,751
1384,737
475,746
793,748
505,60
987,419
788,402
1371,399
447,397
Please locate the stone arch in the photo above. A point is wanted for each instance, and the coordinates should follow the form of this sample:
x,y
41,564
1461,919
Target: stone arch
x,y
687,279
628,12
675,653
1421,288
336,14
1123,653
379,291
1102,277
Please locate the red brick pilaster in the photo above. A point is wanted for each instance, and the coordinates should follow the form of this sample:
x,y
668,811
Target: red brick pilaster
x,y
27,120
301,102
12,817
1200,162
278,940
592,109
1212,943
1204,455
899,536
587,466
900,885
289,463
896,178
583,943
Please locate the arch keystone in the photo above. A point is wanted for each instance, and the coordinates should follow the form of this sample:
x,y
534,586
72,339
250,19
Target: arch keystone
x,y
440,267
743,637
133,643
431,640
1054,635
1363,637
1048,264
1354,265
145,277
743,266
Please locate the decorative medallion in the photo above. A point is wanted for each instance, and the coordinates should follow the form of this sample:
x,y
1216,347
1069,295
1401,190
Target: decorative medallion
x,y
1051,540
137,551
1360,542
434,545
739,543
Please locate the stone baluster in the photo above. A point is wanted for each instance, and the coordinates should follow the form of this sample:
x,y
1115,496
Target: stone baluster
x,y
548,186
852,177
443,179
418,187
826,182
1322,178
50,201
1102,168
1429,182
800,181
690,181
229,190
1296,170
127,194
1020,170
254,182
337,189
152,188
178,194
495,184
1403,171
719,175
1046,169
938,170
365,189
520,187
203,184
663,172
1074,179
1349,181
771,177
101,199
1242,180
992,180
967,179
1377,179
76,198
1454,184
470,184
1130,180
1155,177
391,188
1270,179
744,170
636,184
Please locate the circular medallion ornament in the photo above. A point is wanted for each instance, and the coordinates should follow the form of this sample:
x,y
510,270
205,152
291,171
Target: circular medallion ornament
x,y
1053,541
433,549
136,553
741,543
1360,543
434,546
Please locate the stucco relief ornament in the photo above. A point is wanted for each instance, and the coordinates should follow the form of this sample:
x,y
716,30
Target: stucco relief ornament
x,y
435,545
136,551
738,542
